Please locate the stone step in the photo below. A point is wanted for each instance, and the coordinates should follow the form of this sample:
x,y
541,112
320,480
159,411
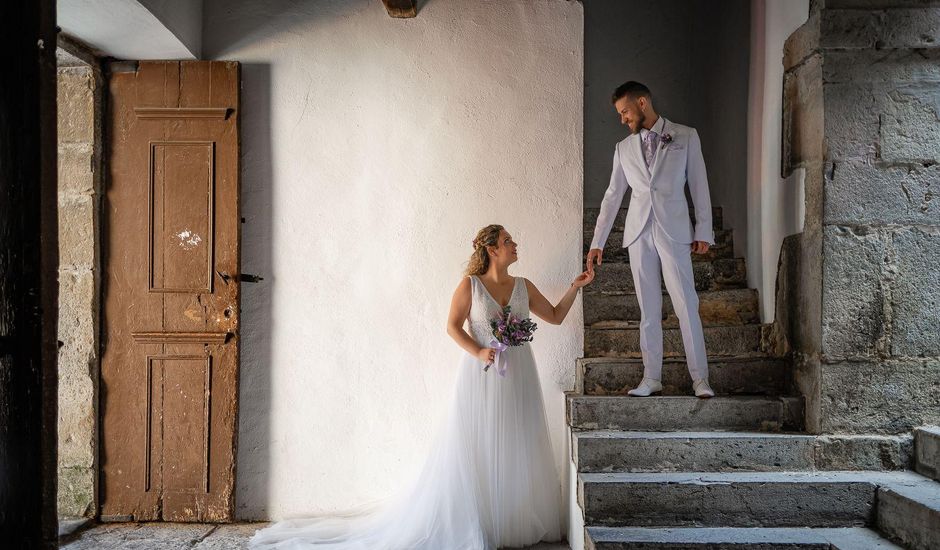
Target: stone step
x,y
623,340
590,217
717,274
622,451
759,375
735,538
910,513
689,413
737,306
927,451
614,250
734,499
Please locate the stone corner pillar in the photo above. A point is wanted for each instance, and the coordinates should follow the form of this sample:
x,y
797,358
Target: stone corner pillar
x,y
862,116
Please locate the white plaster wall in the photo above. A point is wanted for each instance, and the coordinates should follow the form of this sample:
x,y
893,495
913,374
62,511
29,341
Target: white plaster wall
x,y
775,205
372,150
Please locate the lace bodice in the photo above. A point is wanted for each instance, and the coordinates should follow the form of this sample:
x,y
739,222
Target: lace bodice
x,y
483,308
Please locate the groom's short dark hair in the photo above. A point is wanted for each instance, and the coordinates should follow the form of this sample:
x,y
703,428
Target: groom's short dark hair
x,y
631,89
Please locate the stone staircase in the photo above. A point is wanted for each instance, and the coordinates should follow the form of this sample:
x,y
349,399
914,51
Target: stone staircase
x,y
735,471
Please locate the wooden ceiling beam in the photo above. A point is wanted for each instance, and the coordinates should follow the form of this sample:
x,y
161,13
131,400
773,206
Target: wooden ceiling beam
x,y
401,9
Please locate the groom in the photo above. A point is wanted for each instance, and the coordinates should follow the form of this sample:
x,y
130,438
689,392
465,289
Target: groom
x,y
655,162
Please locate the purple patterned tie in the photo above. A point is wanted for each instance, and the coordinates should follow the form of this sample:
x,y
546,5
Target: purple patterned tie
x,y
649,147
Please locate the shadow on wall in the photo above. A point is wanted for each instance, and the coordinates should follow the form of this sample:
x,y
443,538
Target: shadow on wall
x,y
254,420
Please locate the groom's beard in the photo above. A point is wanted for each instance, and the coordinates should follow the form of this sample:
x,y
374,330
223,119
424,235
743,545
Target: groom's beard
x,y
639,123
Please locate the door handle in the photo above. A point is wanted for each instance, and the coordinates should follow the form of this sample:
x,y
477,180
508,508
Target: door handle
x,y
242,277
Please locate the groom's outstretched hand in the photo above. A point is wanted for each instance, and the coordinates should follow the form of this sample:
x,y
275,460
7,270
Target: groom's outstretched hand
x,y
699,247
594,254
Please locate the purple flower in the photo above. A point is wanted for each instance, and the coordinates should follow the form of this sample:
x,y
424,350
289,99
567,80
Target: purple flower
x,y
665,140
511,330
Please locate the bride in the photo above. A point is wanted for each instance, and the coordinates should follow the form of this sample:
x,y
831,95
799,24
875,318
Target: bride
x,y
490,479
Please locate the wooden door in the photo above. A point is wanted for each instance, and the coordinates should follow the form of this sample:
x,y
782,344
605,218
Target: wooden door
x,y
169,368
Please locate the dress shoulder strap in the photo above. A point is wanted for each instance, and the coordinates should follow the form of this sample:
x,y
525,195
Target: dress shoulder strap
x,y
474,284
525,289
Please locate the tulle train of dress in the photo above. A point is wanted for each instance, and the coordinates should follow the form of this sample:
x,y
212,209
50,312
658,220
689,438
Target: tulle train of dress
x,y
489,481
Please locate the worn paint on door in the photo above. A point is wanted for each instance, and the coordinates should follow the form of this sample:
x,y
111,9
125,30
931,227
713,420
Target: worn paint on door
x,y
170,248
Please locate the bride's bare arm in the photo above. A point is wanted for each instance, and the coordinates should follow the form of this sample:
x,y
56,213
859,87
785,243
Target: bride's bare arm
x,y
459,311
539,304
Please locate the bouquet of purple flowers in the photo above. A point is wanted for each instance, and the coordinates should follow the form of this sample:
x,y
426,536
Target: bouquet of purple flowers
x,y
509,330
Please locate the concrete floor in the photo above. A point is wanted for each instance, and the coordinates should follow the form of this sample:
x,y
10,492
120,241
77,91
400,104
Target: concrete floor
x,y
172,536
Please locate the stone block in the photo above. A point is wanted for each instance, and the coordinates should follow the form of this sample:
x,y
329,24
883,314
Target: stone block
x,y
77,372
78,310
714,275
882,193
808,336
625,341
879,29
802,43
911,514
77,323
910,124
853,309
76,169
692,452
731,538
729,376
890,397
803,121
76,105
685,413
739,499
852,121
716,308
881,67
76,492
76,231
806,381
617,451
76,435
838,452
915,292
927,451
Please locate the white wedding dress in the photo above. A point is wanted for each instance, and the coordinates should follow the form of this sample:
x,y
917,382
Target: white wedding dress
x,y
490,479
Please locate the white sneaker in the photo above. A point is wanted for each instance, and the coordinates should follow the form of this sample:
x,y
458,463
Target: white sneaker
x,y
702,389
647,387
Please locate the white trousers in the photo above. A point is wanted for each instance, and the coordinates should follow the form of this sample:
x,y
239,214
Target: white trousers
x,y
654,254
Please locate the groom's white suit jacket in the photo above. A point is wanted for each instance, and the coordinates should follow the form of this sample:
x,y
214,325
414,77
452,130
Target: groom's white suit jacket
x,y
660,189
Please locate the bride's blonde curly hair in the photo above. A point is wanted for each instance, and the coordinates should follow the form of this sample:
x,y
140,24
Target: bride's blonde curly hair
x,y
480,260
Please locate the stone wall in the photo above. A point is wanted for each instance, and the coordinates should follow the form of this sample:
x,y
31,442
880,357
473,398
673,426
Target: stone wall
x,y
79,144
862,116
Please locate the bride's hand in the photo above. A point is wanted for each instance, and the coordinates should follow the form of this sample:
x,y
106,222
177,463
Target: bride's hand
x,y
583,279
486,355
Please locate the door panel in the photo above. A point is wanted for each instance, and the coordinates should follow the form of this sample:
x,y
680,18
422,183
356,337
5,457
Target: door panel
x,y
169,369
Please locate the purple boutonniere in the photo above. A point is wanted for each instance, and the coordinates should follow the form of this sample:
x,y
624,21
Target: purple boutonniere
x,y
665,140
